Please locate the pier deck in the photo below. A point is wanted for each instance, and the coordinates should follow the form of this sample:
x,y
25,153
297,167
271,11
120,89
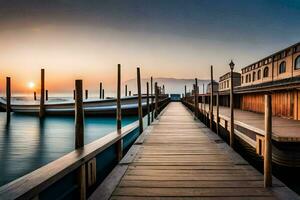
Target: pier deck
x,y
178,157
284,130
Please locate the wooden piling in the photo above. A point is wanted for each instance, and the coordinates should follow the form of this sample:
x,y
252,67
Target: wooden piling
x,y
34,95
74,94
163,89
8,98
211,110
231,110
119,143
151,90
129,93
196,105
42,99
218,113
103,94
79,115
100,91
125,90
140,108
79,137
148,106
46,95
203,102
86,94
156,100
185,92
268,142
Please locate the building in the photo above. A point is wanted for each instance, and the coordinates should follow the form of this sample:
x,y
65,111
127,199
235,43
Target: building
x,y
225,81
278,74
215,87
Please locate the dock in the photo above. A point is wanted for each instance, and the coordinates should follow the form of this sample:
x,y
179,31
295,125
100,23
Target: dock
x,y
178,157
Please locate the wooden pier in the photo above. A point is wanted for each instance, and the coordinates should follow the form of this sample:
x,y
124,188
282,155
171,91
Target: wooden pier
x,y
178,157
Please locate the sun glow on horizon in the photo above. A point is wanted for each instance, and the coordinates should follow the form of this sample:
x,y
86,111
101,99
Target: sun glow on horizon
x,y
30,85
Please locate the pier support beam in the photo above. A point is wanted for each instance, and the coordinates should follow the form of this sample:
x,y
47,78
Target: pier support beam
x,y
100,91
268,142
79,137
211,110
42,99
8,98
156,100
148,106
218,112
231,64
140,108
119,115
151,90
196,105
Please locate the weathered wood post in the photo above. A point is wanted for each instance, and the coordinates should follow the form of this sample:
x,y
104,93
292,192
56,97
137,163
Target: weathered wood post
x,y
140,108
203,102
42,99
148,106
129,92
103,96
34,95
119,116
163,89
125,90
231,64
86,94
156,100
74,94
185,93
152,107
268,142
46,95
211,111
218,112
196,105
79,136
100,91
8,98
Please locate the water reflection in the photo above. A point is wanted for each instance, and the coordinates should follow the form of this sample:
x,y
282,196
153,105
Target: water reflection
x,y
27,143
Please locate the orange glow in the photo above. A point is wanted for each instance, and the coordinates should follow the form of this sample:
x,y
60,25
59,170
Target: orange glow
x,y
31,85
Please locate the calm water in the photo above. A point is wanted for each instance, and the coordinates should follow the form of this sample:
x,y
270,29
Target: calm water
x,y
27,143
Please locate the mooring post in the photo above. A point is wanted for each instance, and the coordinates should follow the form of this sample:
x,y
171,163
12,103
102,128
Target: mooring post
x,y
125,90
46,95
100,91
268,142
163,89
196,98
156,100
211,111
148,105
86,94
42,99
231,64
34,95
140,108
119,116
8,98
74,94
79,137
129,92
203,102
218,114
151,90
103,96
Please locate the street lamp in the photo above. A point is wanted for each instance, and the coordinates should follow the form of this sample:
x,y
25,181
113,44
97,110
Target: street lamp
x,y
231,64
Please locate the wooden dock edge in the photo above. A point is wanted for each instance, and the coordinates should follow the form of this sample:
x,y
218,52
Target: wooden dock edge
x,y
107,187
279,189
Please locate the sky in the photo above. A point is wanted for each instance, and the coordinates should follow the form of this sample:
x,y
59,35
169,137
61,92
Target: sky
x,y
76,39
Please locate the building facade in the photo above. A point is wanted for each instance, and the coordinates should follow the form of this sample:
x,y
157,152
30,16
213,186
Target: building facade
x,y
225,81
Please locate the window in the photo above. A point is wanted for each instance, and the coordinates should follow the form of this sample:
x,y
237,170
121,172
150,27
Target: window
x,y
242,79
258,75
266,72
253,76
282,67
249,77
228,83
297,63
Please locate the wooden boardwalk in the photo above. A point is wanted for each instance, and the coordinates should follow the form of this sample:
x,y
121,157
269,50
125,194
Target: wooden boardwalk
x,y
178,157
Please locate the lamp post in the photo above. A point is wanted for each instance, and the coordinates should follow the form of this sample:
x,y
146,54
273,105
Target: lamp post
x,y
231,64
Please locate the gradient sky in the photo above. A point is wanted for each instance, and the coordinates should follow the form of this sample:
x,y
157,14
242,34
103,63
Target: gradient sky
x,y
167,38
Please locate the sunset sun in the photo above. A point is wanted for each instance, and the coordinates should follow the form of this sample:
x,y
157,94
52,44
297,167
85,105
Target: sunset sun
x,y
30,85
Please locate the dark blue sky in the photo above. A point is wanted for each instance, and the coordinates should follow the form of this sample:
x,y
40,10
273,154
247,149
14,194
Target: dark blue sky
x,y
169,36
